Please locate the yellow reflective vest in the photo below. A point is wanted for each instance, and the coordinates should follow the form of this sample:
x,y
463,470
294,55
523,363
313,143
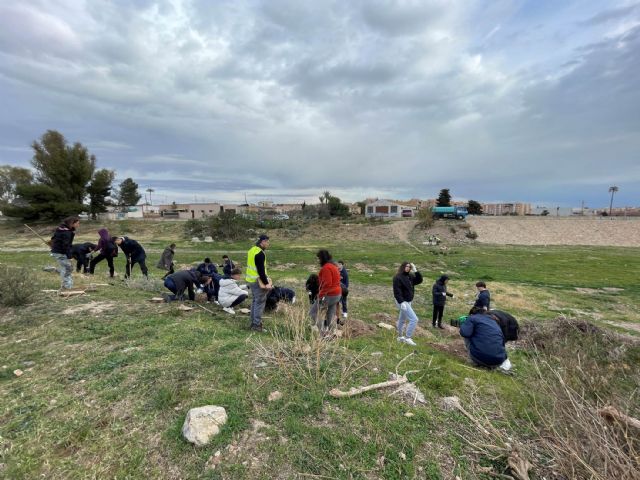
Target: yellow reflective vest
x,y
252,272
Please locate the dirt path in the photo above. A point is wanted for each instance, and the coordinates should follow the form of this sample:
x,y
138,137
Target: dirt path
x,y
402,229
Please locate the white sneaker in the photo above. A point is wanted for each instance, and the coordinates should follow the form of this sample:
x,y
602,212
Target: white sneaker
x,y
229,310
344,314
401,339
216,302
408,341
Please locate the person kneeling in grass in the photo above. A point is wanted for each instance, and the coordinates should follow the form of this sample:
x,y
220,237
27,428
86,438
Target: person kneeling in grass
x,y
485,341
183,280
230,293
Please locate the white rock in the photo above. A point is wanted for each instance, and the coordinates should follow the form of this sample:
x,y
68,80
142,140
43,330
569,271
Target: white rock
x,y
408,414
402,455
195,240
17,372
376,354
450,403
208,239
203,423
386,326
274,396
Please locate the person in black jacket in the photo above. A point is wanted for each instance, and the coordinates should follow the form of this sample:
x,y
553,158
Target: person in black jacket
x,y
61,242
134,253
344,283
404,282
440,294
81,252
483,300
227,265
183,280
108,250
312,286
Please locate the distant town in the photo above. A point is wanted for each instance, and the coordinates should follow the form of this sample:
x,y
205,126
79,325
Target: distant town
x,y
370,208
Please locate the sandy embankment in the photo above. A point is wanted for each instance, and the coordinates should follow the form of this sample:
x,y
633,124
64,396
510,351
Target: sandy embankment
x,y
601,231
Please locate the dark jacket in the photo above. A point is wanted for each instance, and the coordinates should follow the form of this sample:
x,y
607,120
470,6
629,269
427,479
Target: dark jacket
x,y
313,287
484,300
486,341
185,280
439,288
508,324
227,267
131,248
403,286
276,294
105,244
79,251
207,268
344,277
62,240
260,260
166,260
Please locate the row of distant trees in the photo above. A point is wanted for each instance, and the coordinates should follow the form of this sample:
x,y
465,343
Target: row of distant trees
x,y
64,181
444,200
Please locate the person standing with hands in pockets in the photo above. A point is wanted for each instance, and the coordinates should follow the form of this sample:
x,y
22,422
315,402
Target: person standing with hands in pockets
x,y
404,283
256,277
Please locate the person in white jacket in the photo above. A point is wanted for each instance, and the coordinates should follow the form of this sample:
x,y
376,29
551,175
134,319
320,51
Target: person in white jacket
x,y
231,294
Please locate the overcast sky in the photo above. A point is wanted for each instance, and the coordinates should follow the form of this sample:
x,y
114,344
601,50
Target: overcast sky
x,y
499,100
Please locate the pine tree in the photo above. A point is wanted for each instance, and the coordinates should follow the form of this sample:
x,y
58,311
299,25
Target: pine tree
x,y
444,198
128,193
99,190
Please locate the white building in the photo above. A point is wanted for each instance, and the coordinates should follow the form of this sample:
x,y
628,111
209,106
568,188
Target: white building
x,y
388,209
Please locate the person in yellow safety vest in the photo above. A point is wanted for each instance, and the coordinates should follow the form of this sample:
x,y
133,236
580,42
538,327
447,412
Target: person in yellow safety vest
x,y
257,270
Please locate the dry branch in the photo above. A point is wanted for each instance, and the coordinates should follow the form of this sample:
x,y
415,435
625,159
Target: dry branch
x,y
613,414
336,393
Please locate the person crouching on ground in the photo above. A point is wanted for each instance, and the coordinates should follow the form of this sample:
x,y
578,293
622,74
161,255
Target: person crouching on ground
x,y
81,252
134,253
329,295
440,294
404,283
230,293
183,280
61,242
484,340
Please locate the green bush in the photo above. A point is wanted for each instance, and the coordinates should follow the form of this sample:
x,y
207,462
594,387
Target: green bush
x,y
16,286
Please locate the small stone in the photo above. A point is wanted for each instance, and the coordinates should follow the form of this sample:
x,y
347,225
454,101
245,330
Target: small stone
x,y
217,454
203,423
386,326
255,377
409,414
18,372
274,396
28,363
376,354
402,455
375,369
450,403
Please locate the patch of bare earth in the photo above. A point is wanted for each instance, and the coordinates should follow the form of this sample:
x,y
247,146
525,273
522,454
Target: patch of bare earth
x,y
600,231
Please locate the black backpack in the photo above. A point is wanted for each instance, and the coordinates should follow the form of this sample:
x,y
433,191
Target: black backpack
x,y
508,324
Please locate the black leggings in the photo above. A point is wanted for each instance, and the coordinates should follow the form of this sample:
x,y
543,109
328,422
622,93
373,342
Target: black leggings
x,y
98,259
239,300
438,313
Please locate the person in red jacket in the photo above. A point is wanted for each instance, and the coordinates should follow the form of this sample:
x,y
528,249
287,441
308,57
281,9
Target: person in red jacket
x,y
323,311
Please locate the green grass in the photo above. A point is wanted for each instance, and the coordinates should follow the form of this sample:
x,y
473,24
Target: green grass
x,y
108,392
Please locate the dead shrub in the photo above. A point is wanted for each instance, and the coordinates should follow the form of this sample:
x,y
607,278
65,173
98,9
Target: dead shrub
x,y
17,286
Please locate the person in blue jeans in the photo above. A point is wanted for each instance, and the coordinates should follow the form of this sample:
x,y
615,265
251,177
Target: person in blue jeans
x,y
61,243
404,283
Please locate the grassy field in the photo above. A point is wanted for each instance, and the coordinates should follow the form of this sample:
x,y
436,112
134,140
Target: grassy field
x,y
109,376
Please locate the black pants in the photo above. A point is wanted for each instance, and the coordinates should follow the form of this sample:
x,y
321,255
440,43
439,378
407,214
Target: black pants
x,y
82,262
239,300
98,259
171,270
139,260
438,313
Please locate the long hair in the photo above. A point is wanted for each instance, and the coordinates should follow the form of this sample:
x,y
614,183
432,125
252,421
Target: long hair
x,y
324,256
401,267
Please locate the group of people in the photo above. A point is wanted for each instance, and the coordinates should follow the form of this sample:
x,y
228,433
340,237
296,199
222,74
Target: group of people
x,y
484,330
64,250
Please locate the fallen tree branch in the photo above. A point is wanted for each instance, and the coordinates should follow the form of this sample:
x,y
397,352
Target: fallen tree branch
x,y
336,393
613,414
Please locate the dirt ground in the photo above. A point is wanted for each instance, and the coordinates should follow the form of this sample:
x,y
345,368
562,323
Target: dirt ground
x,y
600,231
